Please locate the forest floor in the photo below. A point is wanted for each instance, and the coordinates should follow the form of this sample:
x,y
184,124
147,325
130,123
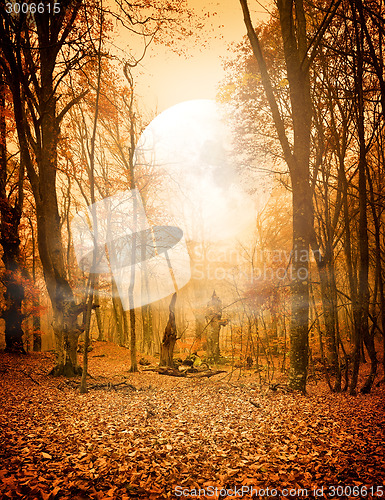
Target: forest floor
x,y
169,437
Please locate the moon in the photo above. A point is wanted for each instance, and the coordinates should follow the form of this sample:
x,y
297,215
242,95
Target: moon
x,y
196,183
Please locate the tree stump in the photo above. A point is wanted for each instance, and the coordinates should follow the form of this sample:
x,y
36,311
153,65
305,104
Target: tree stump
x,y
214,323
169,337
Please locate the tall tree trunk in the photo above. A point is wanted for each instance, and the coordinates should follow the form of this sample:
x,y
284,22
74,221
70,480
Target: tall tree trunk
x,y
362,333
98,315
12,278
65,310
352,278
36,323
117,309
378,256
148,342
134,364
135,228
293,31
369,339
146,310
299,332
133,357
329,312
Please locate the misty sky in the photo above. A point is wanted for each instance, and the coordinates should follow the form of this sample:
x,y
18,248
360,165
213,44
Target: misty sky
x,y
165,79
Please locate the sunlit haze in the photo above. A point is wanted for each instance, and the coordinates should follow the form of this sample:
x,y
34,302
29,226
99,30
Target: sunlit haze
x,y
189,149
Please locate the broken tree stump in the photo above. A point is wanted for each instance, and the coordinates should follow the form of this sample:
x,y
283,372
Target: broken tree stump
x,y
169,337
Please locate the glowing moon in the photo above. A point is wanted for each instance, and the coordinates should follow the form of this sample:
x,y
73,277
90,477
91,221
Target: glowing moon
x,y
188,153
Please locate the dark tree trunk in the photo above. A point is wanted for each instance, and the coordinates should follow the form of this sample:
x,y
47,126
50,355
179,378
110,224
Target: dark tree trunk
x,y
118,312
134,362
378,255
299,332
99,320
12,278
36,328
362,331
147,344
146,310
36,323
329,311
169,337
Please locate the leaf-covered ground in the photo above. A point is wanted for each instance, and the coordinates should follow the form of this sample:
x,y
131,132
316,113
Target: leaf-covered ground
x,y
172,436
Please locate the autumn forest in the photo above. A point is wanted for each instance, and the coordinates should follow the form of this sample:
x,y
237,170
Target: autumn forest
x,y
192,298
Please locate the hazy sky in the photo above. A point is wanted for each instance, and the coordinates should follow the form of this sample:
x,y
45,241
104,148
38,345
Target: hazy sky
x,y
165,79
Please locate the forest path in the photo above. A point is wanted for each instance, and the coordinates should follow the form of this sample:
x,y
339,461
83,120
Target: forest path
x,y
186,433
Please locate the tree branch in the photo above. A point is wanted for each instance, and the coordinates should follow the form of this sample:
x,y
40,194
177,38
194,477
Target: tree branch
x,y
266,82
69,106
